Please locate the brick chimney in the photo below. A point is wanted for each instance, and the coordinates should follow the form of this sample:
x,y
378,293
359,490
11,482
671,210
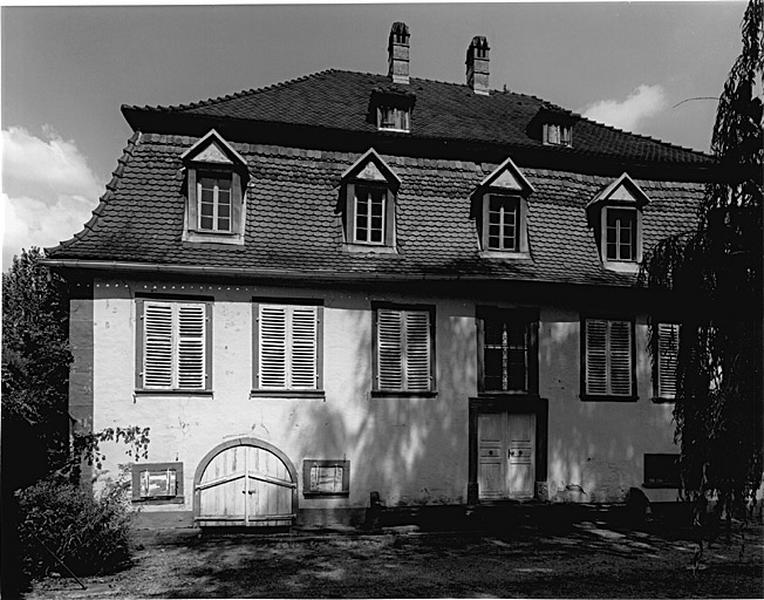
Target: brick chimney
x,y
477,65
398,53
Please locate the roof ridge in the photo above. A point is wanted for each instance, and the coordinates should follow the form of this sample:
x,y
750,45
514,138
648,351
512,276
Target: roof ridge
x,y
127,153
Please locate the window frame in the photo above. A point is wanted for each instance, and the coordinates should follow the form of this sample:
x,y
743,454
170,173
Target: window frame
x,y
564,136
257,390
217,175
401,118
309,463
634,246
388,215
136,469
530,320
585,395
658,396
140,343
376,390
521,225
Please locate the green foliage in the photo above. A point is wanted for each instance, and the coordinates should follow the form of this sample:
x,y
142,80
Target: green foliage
x,y
90,535
35,353
86,446
716,272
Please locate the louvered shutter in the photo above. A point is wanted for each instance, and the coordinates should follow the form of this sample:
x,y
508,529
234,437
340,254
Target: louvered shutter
x,y
668,352
157,345
619,356
272,359
417,351
303,332
390,349
596,356
191,346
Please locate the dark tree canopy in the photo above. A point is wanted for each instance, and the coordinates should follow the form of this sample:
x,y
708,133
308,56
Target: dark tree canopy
x,y
715,270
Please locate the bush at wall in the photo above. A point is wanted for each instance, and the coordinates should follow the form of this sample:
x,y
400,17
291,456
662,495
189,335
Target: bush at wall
x,y
90,534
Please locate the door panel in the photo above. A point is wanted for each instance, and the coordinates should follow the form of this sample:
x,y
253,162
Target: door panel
x,y
506,455
521,471
491,461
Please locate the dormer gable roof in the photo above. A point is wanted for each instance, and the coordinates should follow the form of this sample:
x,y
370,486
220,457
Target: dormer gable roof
x,y
371,167
623,190
508,177
213,149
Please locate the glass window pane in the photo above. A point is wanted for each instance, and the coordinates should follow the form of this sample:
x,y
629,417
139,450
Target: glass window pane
x,y
207,209
224,210
224,224
376,235
206,223
207,195
493,367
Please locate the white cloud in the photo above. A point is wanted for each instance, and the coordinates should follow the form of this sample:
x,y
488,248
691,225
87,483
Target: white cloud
x,y
642,103
48,190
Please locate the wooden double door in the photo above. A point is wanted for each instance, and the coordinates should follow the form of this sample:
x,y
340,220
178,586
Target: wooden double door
x,y
245,483
506,455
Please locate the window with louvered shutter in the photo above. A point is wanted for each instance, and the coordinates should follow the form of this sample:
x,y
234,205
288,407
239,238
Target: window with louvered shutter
x,y
404,350
668,353
287,347
174,345
608,358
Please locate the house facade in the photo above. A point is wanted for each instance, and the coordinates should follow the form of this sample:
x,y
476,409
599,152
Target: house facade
x,y
354,283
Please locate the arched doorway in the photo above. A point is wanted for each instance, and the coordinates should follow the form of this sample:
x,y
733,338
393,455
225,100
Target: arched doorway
x,y
245,482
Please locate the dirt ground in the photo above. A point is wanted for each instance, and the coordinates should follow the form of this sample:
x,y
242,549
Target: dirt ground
x,y
588,560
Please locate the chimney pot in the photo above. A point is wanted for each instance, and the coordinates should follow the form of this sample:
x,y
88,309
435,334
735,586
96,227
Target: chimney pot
x,y
398,53
477,65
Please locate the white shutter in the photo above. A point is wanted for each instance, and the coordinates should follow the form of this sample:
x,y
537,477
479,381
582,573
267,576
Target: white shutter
x,y
668,352
272,360
302,347
620,358
390,349
191,345
596,356
417,351
157,345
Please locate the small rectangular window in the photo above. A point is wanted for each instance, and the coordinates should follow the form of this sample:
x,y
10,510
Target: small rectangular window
x,y
326,478
608,358
404,350
661,471
503,223
557,135
157,482
393,118
214,197
369,226
621,234
508,352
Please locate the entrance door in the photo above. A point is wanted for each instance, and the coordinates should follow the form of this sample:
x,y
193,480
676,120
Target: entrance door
x,y
245,483
506,455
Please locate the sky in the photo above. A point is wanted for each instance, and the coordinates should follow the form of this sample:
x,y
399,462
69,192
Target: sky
x,y
67,70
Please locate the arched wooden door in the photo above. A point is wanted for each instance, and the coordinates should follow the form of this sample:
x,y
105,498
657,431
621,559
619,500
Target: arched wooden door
x,y
245,482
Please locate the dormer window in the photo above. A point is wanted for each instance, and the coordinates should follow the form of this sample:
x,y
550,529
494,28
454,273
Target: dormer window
x,y
393,118
500,204
557,134
215,180
367,205
615,214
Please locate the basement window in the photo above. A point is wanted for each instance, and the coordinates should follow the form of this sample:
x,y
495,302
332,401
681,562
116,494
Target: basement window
x,y
158,482
326,478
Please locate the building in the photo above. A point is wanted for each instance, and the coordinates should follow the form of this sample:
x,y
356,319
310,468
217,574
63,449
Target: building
x,y
351,283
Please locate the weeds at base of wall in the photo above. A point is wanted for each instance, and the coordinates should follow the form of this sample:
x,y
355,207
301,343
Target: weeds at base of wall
x,y
90,534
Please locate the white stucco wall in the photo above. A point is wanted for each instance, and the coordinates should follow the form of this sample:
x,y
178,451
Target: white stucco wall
x,y
411,450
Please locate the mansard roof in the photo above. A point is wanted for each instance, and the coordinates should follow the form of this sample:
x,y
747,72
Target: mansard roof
x,y
293,228
338,101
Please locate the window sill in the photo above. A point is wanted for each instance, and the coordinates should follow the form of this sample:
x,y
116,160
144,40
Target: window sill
x,y
176,500
296,394
656,485
508,395
368,248
607,398
402,394
621,266
659,400
326,494
160,392
193,237
505,255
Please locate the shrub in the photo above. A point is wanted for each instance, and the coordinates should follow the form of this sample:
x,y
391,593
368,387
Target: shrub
x,y
90,534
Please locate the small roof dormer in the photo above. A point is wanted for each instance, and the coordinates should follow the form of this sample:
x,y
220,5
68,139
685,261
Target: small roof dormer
x,y
623,191
553,126
212,149
509,178
371,167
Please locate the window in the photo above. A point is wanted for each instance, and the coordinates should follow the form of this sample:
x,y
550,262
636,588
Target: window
x,y
157,482
287,340
661,471
608,359
621,234
557,134
214,197
508,356
393,118
173,345
503,223
667,340
326,477
404,349
369,214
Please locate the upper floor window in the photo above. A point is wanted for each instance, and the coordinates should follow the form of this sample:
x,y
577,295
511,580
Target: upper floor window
x,y
215,201
608,359
367,204
621,234
174,345
393,118
557,134
507,350
502,213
